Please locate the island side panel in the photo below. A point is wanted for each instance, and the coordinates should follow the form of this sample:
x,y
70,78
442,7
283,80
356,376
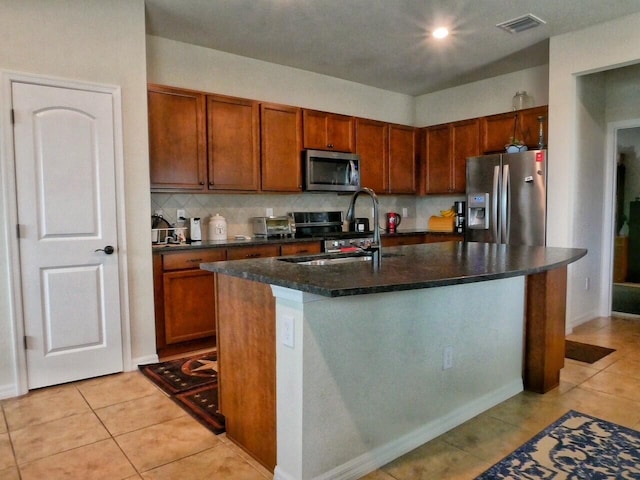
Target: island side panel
x,y
545,329
246,359
364,381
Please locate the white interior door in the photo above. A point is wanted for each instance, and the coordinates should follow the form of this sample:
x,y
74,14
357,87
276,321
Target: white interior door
x,y
65,181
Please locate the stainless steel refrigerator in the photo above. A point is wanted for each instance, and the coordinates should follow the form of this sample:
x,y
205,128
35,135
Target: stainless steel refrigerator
x,y
507,198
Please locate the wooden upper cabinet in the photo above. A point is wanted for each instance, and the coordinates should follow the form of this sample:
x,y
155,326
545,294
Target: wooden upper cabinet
x,y
281,144
437,177
447,148
177,138
465,137
233,142
497,130
402,159
328,131
372,144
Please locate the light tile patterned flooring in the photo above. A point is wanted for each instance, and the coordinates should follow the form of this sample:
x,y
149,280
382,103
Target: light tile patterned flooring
x,y
123,427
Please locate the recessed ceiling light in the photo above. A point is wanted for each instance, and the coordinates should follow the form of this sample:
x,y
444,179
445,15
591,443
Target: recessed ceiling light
x,y
440,33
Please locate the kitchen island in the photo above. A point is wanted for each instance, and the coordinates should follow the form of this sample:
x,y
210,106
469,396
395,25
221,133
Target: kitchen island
x,y
360,366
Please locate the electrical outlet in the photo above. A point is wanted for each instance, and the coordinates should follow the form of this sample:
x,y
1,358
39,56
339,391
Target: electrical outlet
x,y
269,212
287,332
405,212
180,213
447,357
159,212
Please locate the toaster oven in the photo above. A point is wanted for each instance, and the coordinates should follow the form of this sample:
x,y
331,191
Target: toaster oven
x,y
273,226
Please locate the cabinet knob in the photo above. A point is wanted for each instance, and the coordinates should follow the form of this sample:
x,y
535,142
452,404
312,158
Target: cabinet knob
x,y
330,145
201,183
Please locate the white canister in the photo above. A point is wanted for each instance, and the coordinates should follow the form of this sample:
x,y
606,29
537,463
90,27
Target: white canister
x,y
217,228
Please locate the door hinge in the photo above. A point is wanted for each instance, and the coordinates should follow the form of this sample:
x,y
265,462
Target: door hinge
x,y
25,343
13,117
18,230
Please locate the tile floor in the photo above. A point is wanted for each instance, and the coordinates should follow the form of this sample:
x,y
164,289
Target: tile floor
x,y
123,427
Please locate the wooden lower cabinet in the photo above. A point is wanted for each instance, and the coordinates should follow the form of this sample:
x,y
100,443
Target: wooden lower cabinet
x,y
302,248
415,239
257,251
184,301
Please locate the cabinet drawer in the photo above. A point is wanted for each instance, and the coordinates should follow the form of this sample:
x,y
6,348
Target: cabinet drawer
x,y
241,253
453,237
402,240
184,260
300,248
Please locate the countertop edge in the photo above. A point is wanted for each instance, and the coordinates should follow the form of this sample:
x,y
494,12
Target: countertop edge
x,y
284,274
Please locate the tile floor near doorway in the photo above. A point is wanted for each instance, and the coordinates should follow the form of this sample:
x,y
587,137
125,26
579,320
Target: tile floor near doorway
x,y
123,427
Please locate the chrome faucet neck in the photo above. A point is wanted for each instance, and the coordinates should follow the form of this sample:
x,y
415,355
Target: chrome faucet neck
x,y
376,246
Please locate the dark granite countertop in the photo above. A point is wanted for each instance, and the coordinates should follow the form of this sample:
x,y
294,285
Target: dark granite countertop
x,y
252,241
403,268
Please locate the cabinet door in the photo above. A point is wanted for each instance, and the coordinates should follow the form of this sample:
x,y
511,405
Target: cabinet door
x,y
189,305
341,133
465,138
257,251
281,144
177,138
530,125
395,241
234,160
372,145
300,248
402,159
497,130
328,131
438,159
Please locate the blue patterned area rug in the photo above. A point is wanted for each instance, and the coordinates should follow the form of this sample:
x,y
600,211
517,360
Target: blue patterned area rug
x,y
577,446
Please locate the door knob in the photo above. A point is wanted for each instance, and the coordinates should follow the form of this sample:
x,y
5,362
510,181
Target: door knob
x,y
108,250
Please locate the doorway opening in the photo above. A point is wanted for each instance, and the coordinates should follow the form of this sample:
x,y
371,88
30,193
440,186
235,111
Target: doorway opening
x,y
625,297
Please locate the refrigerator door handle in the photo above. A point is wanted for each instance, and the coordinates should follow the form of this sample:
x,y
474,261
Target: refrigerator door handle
x,y
495,226
505,204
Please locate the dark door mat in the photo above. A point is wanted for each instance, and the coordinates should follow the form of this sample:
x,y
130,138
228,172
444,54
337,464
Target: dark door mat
x,y
584,352
202,404
183,374
192,383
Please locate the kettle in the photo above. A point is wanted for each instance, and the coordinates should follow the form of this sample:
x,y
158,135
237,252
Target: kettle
x,y
217,227
393,220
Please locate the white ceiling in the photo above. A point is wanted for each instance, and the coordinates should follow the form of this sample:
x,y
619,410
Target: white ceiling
x,y
381,43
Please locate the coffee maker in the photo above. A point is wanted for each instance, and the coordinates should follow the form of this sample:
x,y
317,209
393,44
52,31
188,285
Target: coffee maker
x,y
459,209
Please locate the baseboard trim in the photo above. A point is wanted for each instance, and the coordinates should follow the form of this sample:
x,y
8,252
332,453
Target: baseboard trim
x,y
374,459
143,361
8,390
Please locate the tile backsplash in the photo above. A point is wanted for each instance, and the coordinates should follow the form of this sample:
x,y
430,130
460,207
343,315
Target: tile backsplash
x,y
239,208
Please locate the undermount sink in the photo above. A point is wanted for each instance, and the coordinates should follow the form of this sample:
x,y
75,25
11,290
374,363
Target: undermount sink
x,y
329,260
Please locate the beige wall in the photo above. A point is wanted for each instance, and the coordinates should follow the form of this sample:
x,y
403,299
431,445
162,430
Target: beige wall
x,y
576,217
189,66
100,41
486,97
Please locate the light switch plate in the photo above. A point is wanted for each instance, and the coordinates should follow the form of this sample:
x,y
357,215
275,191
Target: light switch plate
x,y
287,331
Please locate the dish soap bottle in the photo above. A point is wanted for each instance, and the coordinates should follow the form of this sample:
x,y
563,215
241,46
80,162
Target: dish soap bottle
x,y
217,228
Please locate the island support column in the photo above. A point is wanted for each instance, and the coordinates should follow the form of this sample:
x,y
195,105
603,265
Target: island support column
x,y
545,329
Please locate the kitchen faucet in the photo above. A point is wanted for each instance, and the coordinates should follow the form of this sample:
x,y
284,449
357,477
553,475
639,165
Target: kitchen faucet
x,y
376,247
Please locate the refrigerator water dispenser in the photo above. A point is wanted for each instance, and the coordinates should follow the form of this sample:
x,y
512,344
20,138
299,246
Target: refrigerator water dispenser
x,y
477,204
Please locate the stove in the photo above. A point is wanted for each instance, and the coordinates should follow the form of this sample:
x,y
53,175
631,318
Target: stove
x,y
328,227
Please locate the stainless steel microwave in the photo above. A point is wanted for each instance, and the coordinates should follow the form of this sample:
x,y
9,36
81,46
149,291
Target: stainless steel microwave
x,y
326,171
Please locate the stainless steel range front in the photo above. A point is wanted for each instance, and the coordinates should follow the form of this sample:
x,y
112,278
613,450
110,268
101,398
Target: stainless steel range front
x,y
328,226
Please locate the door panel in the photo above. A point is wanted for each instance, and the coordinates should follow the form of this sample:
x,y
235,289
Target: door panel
x,y
65,179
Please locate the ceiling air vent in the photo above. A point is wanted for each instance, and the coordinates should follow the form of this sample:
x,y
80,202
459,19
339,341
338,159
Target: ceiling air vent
x,y
520,24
